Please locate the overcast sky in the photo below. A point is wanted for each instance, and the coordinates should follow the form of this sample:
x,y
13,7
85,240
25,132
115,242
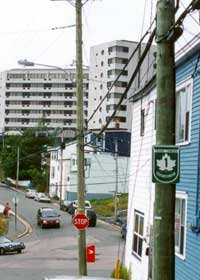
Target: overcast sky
x,y
25,28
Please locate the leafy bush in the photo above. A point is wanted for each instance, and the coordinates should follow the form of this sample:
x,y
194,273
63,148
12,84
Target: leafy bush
x,y
105,207
3,225
123,273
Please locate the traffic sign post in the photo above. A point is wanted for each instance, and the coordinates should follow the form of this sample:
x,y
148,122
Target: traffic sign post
x,y
15,201
90,253
165,164
80,221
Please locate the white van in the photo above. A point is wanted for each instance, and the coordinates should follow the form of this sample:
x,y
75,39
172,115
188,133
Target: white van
x,y
87,204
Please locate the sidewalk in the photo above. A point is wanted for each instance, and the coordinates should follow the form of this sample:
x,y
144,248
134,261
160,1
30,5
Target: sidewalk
x,y
16,227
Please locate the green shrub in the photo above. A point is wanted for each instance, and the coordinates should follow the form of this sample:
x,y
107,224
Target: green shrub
x,y
3,225
123,273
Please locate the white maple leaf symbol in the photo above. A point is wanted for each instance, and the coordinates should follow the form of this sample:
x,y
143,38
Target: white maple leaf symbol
x,y
166,163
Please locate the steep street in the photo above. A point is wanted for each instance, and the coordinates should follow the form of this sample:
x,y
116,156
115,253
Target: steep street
x,y
54,251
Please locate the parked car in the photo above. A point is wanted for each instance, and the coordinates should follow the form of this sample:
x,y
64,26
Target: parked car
x,y
124,231
30,193
65,205
8,246
48,217
92,217
42,197
74,205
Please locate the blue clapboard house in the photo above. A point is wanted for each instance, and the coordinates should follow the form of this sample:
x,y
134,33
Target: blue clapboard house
x,y
187,212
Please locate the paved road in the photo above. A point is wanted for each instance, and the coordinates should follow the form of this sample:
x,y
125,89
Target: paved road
x,y
54,251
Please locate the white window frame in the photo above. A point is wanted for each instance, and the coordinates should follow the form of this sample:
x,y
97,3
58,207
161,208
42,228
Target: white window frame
x,y
181,86
182,196
137,233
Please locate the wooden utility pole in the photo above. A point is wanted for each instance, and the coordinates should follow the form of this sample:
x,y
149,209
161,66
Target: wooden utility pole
x,y
163,241
62,147
116,176
80,139
17,172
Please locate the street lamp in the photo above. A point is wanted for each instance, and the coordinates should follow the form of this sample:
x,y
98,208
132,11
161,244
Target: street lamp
x,y
63,27
29,63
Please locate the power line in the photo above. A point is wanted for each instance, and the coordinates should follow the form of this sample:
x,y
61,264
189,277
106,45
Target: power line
x,y
148,45
132,55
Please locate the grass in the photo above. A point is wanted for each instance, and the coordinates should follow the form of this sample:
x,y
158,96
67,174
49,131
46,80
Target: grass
x,y
105,207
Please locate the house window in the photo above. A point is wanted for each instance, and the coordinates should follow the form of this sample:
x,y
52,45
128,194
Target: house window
x,y
142,122
183,113
180,225
53,172
138,234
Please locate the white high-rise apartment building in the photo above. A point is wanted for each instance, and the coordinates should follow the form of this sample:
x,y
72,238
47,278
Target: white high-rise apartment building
x,y
31,97
106,62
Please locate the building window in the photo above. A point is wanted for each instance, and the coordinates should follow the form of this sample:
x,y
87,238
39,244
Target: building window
x,y
180,224
183,112
53,172
138,234
142,122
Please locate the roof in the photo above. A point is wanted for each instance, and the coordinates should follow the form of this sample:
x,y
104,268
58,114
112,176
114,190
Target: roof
x,y
144,90
190,53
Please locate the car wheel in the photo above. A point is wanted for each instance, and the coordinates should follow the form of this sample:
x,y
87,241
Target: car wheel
x,y
2,252
19,251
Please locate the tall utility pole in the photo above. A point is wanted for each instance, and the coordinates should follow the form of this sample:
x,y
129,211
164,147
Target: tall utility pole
x,y
116,174
80,139
163,242
17,174
62,147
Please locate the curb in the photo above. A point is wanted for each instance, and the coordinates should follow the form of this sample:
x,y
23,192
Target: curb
x,y
28,228
110,224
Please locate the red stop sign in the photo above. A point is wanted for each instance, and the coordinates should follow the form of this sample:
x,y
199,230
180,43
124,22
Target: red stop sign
x,y
80,221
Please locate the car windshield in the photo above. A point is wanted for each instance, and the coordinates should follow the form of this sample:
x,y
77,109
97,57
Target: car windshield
x,y
4,240
49,213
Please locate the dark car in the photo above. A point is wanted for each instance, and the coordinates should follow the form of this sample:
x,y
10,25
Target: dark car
x,y
8,246
48,217
92,217
124,231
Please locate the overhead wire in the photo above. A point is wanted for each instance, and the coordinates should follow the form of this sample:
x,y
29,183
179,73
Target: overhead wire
x,y
193,18
119,75
147,47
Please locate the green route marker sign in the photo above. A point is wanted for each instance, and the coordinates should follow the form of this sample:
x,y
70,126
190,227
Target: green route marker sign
x,y
165,164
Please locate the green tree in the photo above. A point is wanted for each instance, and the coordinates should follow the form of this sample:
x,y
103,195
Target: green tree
x,y
32,146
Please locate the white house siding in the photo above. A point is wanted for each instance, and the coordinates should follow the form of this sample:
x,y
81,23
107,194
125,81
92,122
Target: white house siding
x,y
55,169
100,179
100,176
141,189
